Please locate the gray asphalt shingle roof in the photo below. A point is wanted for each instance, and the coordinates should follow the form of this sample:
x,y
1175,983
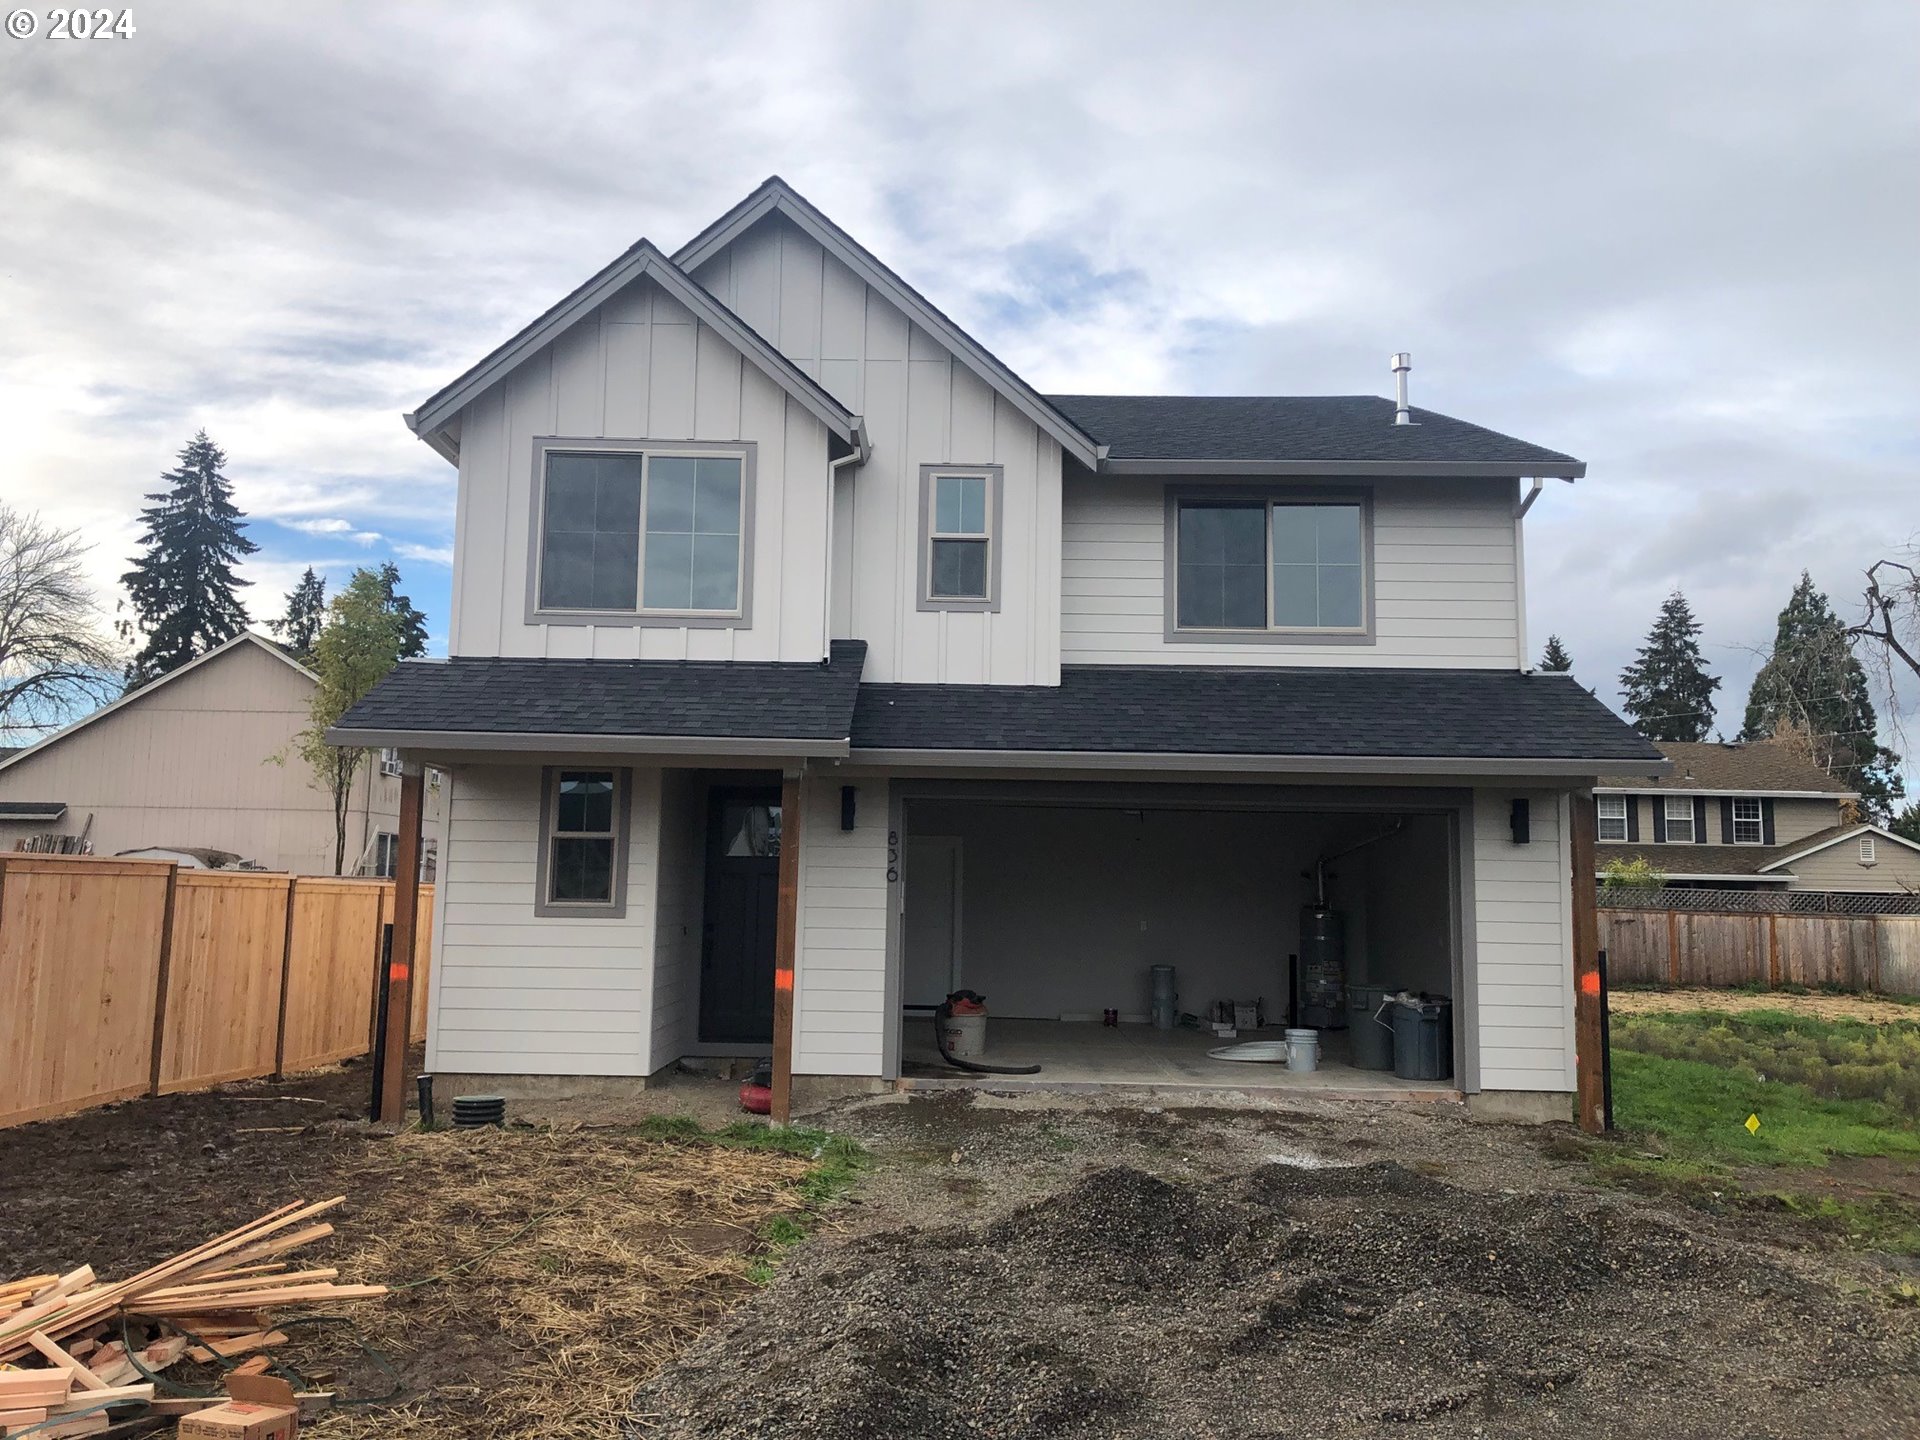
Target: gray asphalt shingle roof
x,y
617,698
1477,714
1287,427
1759,766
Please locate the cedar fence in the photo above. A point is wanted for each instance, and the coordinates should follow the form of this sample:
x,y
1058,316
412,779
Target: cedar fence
x,y
126,977
1850,952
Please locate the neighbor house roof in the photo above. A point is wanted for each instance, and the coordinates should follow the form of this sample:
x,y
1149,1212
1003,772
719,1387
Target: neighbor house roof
x,y
774,195
133,697
1452,721
1763,767
662,706
1699,861
1324,434
1826,839
642,260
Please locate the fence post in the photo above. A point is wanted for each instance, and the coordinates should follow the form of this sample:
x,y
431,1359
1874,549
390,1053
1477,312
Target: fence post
x,y
1673,947
163,982
286,978
1773,951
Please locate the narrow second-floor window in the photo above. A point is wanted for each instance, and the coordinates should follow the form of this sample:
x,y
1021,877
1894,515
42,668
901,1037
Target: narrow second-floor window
x,y
641,532
1679,815
1747,827
1611,813
960,520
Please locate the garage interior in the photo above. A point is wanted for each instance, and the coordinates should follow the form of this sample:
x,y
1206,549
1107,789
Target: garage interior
x,y
1056,909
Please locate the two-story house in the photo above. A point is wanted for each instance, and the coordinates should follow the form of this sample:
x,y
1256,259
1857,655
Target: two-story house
x,y
1755,816
807,664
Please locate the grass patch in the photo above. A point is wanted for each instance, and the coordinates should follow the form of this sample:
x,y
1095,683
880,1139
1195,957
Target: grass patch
x,y
1833,1059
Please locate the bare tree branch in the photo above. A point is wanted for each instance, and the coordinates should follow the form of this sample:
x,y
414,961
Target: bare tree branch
x,y
55,657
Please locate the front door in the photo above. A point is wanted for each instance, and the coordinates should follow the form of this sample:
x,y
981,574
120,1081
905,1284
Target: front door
x,y
743,903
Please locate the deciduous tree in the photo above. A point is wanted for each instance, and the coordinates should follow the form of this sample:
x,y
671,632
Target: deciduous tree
x,y
358,645
56,658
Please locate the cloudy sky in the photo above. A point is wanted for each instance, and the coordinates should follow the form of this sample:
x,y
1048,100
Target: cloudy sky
x,y
1677,241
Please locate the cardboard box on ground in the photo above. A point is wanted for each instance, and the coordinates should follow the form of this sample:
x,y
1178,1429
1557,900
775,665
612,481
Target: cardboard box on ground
x,y
262,1408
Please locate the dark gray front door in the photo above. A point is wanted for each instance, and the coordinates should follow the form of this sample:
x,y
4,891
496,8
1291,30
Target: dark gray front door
x,y
743,894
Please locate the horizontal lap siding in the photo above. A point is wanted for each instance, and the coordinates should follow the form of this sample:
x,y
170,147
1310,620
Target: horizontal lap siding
x,y
516,994
1523,948
1445,580
840,1005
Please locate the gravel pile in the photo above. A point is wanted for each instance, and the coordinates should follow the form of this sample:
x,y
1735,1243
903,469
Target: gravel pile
x,y
1288,1302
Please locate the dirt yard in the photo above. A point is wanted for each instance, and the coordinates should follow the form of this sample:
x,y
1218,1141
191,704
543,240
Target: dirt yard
x,y
1025,1269
1867,1009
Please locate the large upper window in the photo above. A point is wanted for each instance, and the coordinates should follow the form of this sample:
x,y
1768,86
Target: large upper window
x,y
1611,811
1678,812
1747,826
642,532
959,518
1270,565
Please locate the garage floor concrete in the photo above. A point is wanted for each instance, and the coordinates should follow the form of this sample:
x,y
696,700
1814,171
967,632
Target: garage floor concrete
x,y
1081,1056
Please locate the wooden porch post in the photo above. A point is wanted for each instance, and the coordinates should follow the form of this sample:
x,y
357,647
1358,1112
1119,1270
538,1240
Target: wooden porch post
x,y
1589,1094
398,977
784,947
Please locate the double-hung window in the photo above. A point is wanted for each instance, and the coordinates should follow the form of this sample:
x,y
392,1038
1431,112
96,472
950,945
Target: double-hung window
x,y
960,543
641,533
1611,816
1679,817
583,834
1747,827
1269,565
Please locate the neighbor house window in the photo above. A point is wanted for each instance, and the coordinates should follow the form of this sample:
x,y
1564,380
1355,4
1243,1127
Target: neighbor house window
x,y
959,523
1285,566
1866,850
1679,813
390,762
1612,812
584,833
642,532
386,854
1747,829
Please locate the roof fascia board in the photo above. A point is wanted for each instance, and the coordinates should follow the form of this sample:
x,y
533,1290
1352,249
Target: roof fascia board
x,y
642,261
1835,795
1435,469
849,252
1572,770
496,741
1852,834
151,686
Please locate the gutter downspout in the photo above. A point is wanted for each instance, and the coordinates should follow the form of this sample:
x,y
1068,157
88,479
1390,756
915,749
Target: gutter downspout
x,y
861,453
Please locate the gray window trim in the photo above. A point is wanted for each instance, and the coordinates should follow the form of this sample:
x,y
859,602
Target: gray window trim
x,y
995,476
1178,495
615,909
543,445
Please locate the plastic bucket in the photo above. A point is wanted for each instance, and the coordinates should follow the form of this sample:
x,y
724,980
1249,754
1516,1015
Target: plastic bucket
x,y
1370,1032
1303,1050
1423,1039
966,1035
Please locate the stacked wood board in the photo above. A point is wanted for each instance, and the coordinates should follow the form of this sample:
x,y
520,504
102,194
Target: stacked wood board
x,y
65,1364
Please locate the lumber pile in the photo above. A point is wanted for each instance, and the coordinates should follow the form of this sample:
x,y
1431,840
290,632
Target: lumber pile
x,y
65,1366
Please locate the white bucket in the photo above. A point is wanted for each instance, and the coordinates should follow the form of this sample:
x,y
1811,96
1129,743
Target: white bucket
x,y
1303,1050
966,1035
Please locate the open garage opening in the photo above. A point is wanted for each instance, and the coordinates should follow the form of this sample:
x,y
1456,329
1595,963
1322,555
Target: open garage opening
x,y
1057,909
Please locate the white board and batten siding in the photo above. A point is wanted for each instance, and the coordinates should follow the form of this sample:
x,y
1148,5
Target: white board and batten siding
x,y
922,407
640,367
516,994
1446,580
841,1015
1522,952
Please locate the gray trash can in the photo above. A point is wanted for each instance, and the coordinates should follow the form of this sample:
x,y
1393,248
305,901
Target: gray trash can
x,y
1372,1039
1423,1038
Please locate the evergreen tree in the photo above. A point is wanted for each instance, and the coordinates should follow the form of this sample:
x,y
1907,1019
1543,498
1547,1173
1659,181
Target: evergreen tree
x,y
182,587
1812,684
1667,689
306,613
412,623
1555,658
1907,823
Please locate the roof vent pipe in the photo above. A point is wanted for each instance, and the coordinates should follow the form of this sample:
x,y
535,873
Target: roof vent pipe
x,y
1402,363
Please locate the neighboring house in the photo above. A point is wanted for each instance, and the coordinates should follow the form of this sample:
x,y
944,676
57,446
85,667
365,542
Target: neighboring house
x,y
187,764
1749,817
756,548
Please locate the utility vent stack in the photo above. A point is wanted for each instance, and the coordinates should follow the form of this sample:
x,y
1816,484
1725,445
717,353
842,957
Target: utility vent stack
x,y
1402,363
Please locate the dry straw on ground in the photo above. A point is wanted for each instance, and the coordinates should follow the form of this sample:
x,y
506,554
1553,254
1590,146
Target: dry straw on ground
x,y
573,1265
